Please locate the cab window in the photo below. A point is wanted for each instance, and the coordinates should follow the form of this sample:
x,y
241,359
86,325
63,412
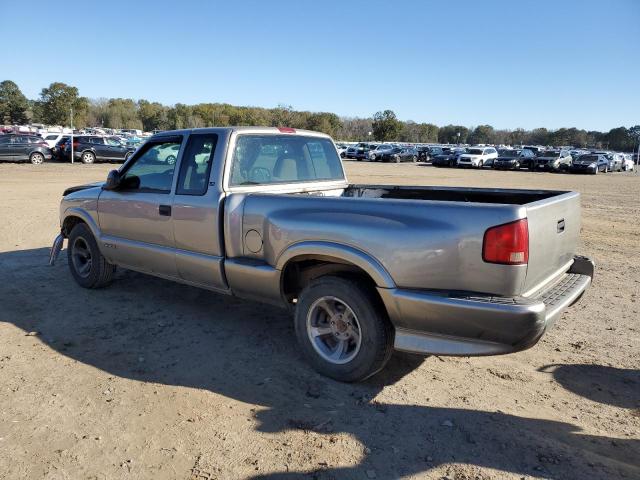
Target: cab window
x,y
272,159
195,166
150,171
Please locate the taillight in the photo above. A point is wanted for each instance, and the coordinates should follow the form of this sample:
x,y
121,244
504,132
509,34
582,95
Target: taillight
x,y
76,143
507,244
287,130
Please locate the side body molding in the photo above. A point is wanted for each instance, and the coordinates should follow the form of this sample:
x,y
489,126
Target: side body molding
x,y
336,251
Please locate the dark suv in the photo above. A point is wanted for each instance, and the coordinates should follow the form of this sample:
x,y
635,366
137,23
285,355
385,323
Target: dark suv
x,y
426,153
91,148
24,148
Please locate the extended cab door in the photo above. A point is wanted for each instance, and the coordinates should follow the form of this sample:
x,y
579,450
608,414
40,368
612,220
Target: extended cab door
x,y
197,207
136,218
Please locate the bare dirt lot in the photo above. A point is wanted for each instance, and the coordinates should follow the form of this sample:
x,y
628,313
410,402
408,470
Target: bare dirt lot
x,y
150,379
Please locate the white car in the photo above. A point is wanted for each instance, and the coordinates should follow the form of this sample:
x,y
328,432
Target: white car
x,y
52,138
627,163
478,157
342,149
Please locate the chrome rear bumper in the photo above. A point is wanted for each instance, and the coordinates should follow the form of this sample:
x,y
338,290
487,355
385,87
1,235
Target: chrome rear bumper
x,y
454,324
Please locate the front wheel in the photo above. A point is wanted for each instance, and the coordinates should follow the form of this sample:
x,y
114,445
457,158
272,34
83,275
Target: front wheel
x,y
88,267
343,329
36,158
480,164
88,158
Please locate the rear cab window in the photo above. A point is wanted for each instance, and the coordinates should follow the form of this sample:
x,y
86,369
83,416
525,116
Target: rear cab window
x,y
264,159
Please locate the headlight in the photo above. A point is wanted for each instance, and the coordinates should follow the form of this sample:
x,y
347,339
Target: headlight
x,y
592,164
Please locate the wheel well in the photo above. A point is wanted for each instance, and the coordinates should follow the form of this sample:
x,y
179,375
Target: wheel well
x,y
69,223
297,274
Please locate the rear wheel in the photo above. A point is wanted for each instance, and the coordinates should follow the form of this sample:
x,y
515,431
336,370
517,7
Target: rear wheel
x,y
414,158
36,158
88,158
88,267
343,329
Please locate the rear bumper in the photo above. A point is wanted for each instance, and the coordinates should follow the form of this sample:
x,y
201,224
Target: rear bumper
x,y
458,324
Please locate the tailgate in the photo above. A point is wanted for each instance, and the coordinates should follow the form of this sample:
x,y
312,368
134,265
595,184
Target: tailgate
x,y
554,228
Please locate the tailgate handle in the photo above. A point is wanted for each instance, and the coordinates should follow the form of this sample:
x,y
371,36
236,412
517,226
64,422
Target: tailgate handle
x,y
561,225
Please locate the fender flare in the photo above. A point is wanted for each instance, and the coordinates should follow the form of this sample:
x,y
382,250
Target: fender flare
x,y
337,251
85,217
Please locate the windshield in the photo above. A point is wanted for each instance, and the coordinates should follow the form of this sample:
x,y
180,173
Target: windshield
x,y
509,153
268,159
475,151
588,158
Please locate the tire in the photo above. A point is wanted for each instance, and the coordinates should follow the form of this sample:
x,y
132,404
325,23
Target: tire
x,y
88,157
127,156
414,158
354,360
480,163
88,267
36,158
398,159
171,160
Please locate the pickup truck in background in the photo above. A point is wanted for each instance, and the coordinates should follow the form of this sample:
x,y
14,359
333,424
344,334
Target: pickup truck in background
x,y
267,214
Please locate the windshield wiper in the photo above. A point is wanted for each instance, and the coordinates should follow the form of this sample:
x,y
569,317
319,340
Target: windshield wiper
x,y
249,182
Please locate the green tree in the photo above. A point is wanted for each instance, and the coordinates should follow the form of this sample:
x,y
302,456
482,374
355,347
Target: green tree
x,y
153,115
386,126
482,134
14,106
449,134
619,139
56,102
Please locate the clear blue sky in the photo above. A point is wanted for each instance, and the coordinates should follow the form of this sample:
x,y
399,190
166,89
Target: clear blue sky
x,y
506,63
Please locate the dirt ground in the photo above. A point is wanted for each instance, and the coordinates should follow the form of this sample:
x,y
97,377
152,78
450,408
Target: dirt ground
x,y
150,379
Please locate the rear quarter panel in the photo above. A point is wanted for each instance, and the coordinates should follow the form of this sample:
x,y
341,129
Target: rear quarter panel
x,y
421,244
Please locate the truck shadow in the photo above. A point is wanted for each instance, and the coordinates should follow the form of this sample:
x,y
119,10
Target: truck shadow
x,y
618,387
151,330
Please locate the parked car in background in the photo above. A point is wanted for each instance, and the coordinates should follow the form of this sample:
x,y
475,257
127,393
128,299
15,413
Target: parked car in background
x,y
553,160
627,163
616,160
91,148
52,138
24,148
590,163
427,153
448,157
478,157
58,149
513,159
342,149
376,154
397,154
360,151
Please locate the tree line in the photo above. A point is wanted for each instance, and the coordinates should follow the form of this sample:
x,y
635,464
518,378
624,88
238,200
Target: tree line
x,y
54,105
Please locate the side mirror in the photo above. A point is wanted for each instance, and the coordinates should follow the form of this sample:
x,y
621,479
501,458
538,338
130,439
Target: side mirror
x,y
113,180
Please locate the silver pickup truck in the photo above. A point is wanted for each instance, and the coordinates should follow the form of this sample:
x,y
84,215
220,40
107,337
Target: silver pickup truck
x,y
267,214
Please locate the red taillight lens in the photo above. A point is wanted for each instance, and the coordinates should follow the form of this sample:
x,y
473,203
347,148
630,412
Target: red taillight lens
x,y
75,144
287,130
507,244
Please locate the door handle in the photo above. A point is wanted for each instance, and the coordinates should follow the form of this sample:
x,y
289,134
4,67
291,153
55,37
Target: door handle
x,y
164,210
